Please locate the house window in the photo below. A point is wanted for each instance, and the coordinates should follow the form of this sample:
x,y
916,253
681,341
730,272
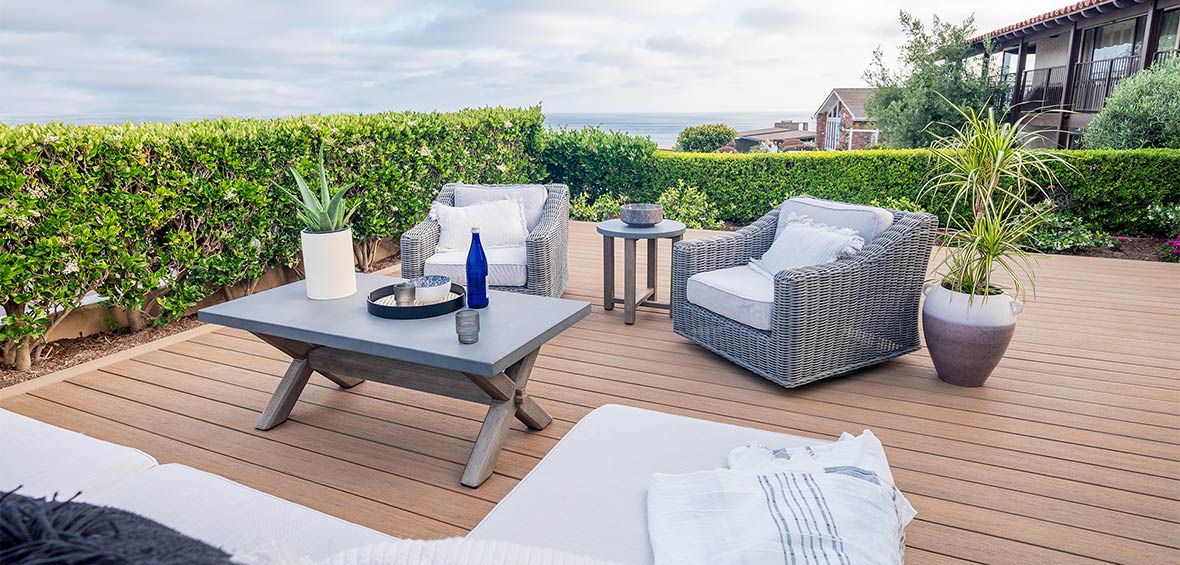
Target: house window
x,y
1169,43
1112,41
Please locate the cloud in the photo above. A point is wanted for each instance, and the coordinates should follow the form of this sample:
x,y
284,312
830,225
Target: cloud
x,y
108,60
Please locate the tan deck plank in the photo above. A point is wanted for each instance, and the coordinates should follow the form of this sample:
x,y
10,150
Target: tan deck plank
x,y
1069,453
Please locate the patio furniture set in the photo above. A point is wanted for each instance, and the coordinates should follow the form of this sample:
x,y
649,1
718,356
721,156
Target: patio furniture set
x,y
800,325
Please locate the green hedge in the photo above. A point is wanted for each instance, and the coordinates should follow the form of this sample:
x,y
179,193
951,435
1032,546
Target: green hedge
x,y
1110,189
158,216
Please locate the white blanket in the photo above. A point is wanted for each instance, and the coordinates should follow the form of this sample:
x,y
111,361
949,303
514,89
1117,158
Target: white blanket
x,y
834,504
450,551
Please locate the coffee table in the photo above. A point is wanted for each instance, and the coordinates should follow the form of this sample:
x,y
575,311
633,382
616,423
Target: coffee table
x,y
611,229
340,340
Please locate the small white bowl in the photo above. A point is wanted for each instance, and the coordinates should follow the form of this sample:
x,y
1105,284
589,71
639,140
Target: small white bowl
x,y
431,288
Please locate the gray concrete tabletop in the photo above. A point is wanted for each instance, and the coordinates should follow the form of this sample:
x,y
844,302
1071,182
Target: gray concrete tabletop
x,y
512,326
616,228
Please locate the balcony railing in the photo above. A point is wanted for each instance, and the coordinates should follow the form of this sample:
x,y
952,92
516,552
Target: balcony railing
x,y
1095,80
1164,55
1037,89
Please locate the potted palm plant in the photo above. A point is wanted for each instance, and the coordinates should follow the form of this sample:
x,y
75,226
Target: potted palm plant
x,y
989,174
327,239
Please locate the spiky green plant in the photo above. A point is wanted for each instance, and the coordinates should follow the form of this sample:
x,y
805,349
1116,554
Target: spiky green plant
x,y
989,165
324,212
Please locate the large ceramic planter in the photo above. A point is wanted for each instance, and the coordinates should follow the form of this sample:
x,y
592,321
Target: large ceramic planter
x,y
328,264
967,336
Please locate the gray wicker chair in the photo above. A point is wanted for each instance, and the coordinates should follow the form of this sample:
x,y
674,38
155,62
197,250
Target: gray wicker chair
x,y
546,246
827,320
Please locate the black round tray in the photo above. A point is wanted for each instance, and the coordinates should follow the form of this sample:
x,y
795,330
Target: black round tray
x,y
414,312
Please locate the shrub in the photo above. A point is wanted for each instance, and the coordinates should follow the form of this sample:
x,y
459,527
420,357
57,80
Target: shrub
x,y
158,216
1169,252
1060,233
1143,111
689,205
1163,218
593,161
605,207
705,138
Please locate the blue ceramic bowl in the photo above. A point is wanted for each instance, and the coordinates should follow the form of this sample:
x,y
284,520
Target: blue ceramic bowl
x,y
431,288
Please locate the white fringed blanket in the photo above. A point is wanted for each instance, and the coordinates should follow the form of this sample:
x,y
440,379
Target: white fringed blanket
x,y
834,504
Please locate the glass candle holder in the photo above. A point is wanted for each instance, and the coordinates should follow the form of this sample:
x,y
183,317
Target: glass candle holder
x,y
403,294
467,326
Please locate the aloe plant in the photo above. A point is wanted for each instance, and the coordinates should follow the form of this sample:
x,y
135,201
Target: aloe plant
x,y
324,212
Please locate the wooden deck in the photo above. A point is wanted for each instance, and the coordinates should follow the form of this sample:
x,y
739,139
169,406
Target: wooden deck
x,y
1070,453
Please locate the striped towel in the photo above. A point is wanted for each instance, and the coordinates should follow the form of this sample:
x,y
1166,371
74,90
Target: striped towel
x,y
834,504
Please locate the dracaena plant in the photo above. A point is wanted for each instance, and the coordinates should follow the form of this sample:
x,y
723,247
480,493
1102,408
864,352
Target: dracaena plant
x,y
989,167
325,211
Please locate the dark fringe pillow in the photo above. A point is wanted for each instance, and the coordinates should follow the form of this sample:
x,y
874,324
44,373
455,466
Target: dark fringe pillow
x,y
40,532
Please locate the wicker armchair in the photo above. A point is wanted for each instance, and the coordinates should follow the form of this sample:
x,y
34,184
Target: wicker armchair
x,y
546,246
827,320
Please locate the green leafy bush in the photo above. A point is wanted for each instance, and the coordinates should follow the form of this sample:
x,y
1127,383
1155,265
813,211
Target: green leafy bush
x,y
158,216
1143,111
594,161
1169,252
1062,233
704,138
604,207
1164,218
689,205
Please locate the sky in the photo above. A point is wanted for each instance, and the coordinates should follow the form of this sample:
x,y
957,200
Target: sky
x,y
107,60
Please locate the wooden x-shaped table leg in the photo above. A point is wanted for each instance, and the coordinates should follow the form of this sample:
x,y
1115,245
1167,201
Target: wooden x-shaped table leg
x,y
294,380
507,402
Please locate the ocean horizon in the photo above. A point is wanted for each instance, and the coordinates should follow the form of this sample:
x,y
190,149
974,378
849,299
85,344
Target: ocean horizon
x,y
663,127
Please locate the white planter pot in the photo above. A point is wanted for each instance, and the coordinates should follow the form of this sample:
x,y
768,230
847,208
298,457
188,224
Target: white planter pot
x,y
967,336
328,264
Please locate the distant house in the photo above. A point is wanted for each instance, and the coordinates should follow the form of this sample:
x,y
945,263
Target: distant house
x,y
784,136
1073,58
841,121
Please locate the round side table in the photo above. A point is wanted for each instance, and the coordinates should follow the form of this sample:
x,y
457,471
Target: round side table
x,y
610,229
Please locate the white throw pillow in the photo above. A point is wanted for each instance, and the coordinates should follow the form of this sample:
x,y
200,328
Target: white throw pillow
x,y
802,243
532,198
501,224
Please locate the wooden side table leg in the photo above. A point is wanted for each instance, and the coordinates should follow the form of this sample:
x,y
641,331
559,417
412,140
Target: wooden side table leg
x,y
280,405
629,281
652,262
608,272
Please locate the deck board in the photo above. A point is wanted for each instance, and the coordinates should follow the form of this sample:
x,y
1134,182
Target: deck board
x,y
1070,453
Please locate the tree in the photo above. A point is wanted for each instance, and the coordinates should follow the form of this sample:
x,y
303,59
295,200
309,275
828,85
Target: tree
x,y
907,106
1143,111
706,138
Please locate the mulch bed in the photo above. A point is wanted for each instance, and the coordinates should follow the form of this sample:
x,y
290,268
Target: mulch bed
x,y
66,353
1133,248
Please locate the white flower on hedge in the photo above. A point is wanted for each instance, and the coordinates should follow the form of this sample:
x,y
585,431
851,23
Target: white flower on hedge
x,y
503,168
255,244
229,193
425,152
507,123
71,267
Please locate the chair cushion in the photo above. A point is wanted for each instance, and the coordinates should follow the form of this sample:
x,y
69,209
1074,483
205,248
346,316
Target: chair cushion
x,y
868,221
43,459
600,473
507,266
501,224
236,518
803,243
531,196
738,293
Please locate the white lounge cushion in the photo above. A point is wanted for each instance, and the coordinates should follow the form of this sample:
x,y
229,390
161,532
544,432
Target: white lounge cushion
x,y
507,266
738,293
454,551
868,221
43,459
532,198
236,518
501,224
802,242
589,494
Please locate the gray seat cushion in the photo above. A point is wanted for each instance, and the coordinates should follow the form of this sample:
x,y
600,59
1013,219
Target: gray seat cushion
x,y
589,494
44,459
738,293
868,221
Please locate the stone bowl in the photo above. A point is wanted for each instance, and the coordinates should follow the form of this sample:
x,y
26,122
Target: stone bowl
x,y
641,215
431,288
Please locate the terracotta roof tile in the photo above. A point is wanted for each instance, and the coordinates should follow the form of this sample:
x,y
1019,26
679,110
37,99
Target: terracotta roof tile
x,y
1041,18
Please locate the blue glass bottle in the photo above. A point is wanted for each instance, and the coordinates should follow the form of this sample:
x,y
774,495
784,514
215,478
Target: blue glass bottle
x,y
477,273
